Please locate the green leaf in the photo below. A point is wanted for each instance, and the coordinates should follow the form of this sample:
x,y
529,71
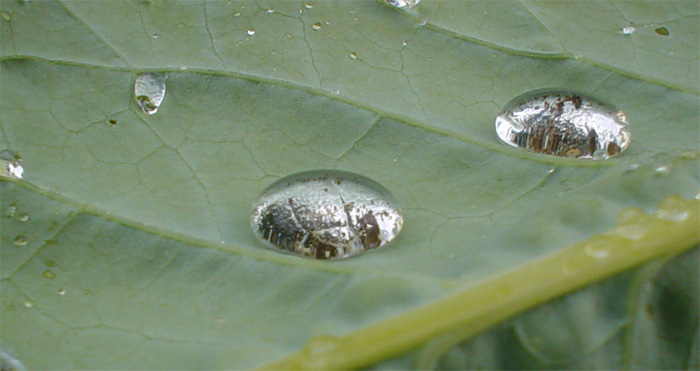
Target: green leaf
x,y
140,254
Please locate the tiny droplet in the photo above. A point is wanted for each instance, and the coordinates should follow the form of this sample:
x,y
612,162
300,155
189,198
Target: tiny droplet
x,y
316,26
149,90
154,36
49,274
629,29
11,165
236,14
325,214
270,10
28,303
11,210
21,240
5,15
309,5
353,55
564,124
401,3
23,217
250,32
663,31
61,292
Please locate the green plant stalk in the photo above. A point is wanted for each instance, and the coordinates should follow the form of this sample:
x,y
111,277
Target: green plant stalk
x,y
636,239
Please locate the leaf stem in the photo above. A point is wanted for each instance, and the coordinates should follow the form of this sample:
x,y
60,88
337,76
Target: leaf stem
x,y
636,239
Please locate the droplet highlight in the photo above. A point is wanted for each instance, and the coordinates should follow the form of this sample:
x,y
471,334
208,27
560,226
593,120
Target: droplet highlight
x,y
353,55
250,32
11,210
5,15
149,90
628,29
401,3
326,214
316,26
565,124
23,218
11,165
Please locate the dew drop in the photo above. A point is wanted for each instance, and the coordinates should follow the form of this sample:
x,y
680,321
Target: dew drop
x,y
61,292
688,155
236,14
309,5
563,124
662,169
335,92
6,16
628,29
326,214
353,55
23,218
8,362
270,10
422,21
149,90
316,26
673,209
180,25
11,210
11,165
28,304
250,32
404,44
597,251
318,350
21,240
663,31
578,55
401,3
154,36
49,274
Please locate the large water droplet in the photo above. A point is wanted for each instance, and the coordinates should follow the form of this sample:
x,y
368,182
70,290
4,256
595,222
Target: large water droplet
x,y
401,3
149,90
10,363
326,214
11,165
564,124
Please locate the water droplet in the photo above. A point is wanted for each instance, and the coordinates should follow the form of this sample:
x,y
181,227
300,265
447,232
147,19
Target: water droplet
x,y
404,43
673,209
6,16
326,214
335,92
250,32
688,155
289,36
631,231
353,55
21,240
180,25
319,350
401,3
61,292
154,36
562,124
236,14
316,26
270,10
149,90
633,166
663,31
422,21
578,55
28,304
11,165
49,274
662,169
309,5
598,250
629,29
8,362
23,218
11,210
183,68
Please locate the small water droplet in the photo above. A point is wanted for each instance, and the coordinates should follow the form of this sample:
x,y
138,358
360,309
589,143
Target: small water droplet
x,y
309,5
662,169
550,171
404,44
61,292
28,304
401,3
5,15
353,55
422,21
318,351
11,165
326,214
180,25
183,68
11,210
673,209
688,155
316,26
578,55
597,251
236,14
149,90
154,36
633,166
21,240
23,217
562,124
49,274
250,32
663,31
629,29
270,11
289,36
335,92
630,215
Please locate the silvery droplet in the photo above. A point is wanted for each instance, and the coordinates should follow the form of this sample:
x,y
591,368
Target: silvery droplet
x,y
561,123
353,55
628,29
309,5
401,3
250,32
316,26
11,210
326,214
8,362
149,90
21,240
23,218
11,165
